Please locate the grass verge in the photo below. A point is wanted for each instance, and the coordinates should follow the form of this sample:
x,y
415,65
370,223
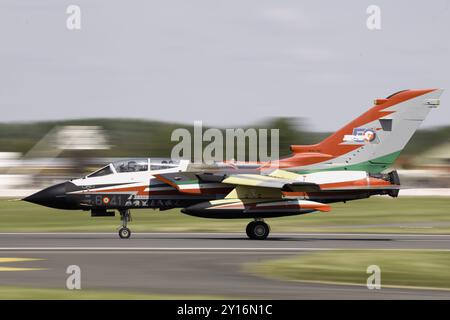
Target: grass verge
x,y
377,214
399,268
21,293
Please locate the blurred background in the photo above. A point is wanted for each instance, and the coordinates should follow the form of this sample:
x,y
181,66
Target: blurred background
x,y
34,155
75,99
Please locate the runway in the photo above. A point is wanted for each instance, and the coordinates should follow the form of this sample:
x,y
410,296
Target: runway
x,y
208,264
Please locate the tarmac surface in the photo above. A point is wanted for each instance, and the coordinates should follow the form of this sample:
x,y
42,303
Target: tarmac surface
x,y
207,264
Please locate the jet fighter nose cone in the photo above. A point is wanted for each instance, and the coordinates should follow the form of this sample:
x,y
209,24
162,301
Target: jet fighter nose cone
x,y
54,197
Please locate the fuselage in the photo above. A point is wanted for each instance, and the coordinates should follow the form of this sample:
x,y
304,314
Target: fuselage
x,y
122,185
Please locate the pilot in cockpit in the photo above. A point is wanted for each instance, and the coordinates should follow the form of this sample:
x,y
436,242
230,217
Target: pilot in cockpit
x,y
132,166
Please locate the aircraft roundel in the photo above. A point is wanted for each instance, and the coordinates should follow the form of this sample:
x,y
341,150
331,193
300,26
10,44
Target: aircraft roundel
x,y
369,135
105,200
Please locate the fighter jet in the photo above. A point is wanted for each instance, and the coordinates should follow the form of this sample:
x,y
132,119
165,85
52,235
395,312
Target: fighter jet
x,y
350,164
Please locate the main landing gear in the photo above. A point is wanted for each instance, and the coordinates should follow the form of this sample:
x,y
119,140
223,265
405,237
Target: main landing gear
x,y
257,230
125,216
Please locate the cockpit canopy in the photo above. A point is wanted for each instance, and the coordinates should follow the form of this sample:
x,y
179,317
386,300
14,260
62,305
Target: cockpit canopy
x,y
136,165
132,165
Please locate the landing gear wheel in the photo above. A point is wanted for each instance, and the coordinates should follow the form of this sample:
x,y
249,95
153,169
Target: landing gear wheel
x,y
258,230
125,216
124,233
248,230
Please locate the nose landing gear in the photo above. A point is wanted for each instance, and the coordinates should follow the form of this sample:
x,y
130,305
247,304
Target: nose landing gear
x,y
125,216
257,230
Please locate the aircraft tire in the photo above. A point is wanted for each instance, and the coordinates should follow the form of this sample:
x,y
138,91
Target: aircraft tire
x,y
248,230
124,233
258,230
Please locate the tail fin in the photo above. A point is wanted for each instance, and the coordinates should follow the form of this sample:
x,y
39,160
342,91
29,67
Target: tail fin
x,y
375,139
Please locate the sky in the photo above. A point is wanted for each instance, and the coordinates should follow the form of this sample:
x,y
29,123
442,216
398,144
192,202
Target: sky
x,y
226,63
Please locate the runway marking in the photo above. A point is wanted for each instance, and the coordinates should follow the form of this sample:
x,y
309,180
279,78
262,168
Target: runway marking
x,y
7,260
8,269
157,249
424,240
12,260
205,249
